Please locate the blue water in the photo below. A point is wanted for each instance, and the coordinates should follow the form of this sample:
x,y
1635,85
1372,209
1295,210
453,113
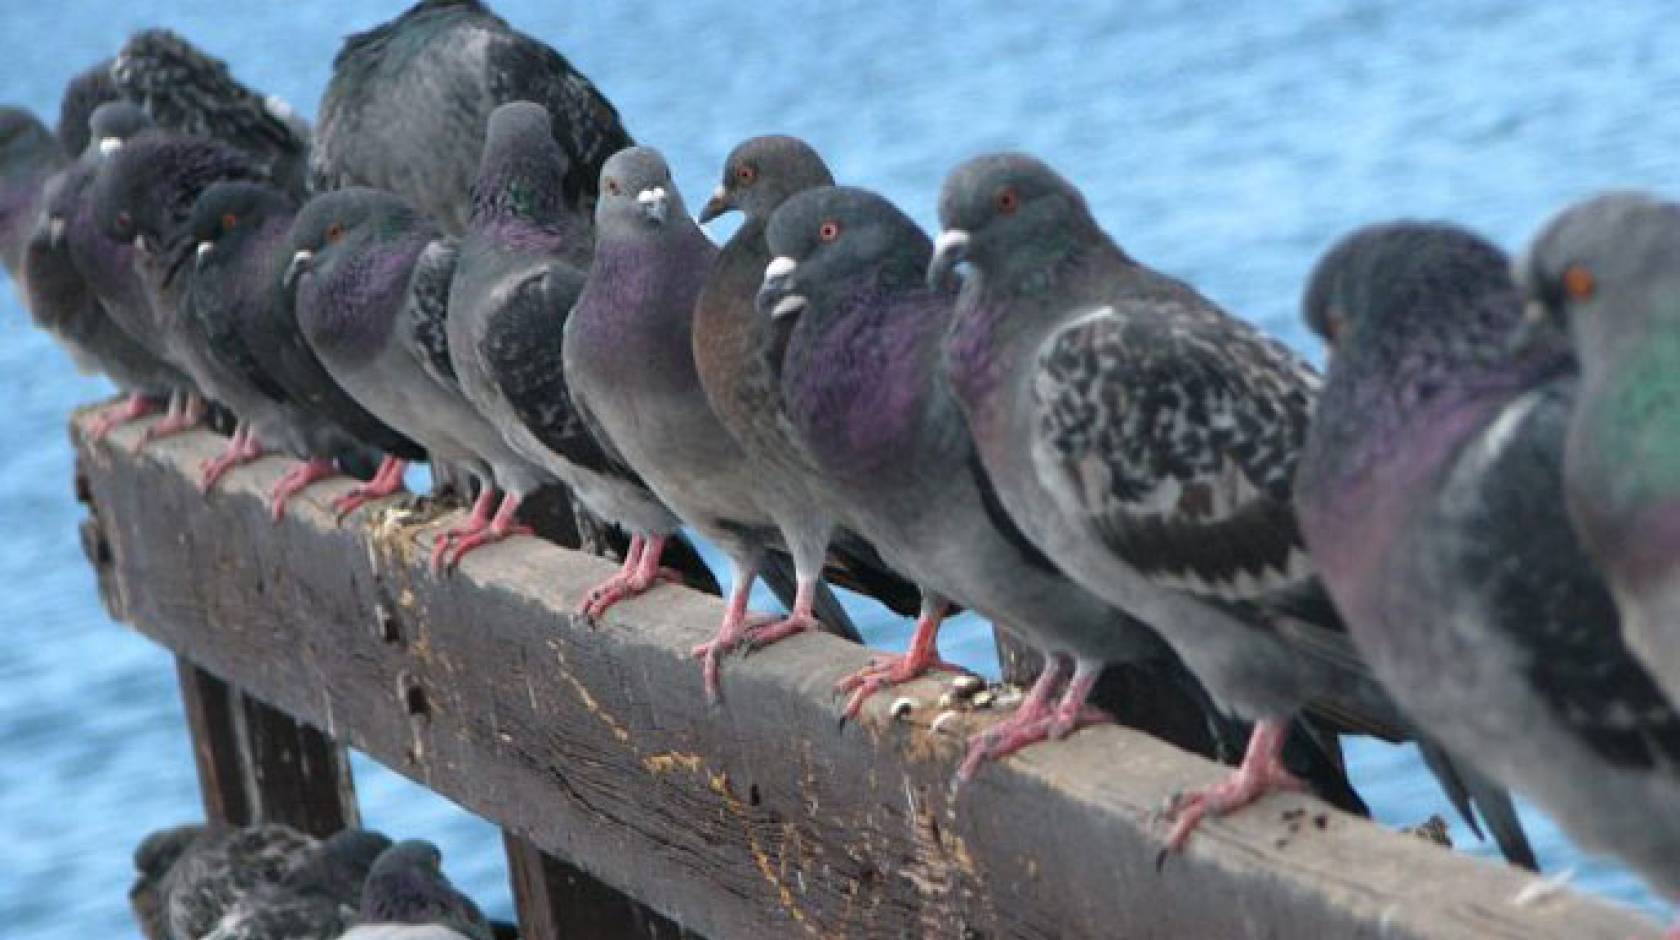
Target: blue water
x,y
1226,142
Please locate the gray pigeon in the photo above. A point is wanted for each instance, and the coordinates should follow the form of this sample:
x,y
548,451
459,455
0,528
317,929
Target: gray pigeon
x,y
522,265
220,866
318,899
1431,494
185,90
410,100
90,88
1146,442
407,887
81,285
1604,271
29,156
241,230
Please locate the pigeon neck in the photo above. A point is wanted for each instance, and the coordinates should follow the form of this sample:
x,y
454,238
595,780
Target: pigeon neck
x,y
518,189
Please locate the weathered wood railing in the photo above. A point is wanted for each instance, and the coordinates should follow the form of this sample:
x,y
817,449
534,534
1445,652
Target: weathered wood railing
x,y
631,807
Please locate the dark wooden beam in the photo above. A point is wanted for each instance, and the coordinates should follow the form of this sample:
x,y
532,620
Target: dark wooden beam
x,y
757,816
560,901
212,719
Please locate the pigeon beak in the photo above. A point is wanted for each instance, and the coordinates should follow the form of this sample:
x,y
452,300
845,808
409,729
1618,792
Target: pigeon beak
x,y
55,232
949,250
109,145
301,262
203,253
1535,326
655,203
776,298
716,206
143,244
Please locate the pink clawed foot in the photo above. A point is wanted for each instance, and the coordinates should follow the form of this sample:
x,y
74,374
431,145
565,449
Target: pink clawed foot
x,y
185,412
1036,720
1262,771
137,406
886,671
503,526
639,573
737,628
242,449
293,483
387,482
483,508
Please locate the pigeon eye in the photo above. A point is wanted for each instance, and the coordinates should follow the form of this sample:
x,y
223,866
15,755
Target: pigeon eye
x,y
612,186
124,220
829,231
229,220
335,232
746,173
1008,200
1578,282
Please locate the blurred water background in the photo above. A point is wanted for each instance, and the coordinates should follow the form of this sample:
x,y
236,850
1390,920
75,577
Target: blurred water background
x,y
1226,142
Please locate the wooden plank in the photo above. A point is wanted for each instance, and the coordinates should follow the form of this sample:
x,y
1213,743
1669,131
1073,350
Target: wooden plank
x,y
296,774
212,720
560,901
755,817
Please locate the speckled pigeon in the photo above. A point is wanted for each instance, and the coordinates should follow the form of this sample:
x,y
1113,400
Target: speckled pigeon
x,y
156,854
222,865
410,100
408,887
1607,271
320,898
1146,442
1431,494
242,230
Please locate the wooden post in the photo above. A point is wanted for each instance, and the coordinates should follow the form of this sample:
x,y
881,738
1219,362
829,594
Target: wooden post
x,y
559,901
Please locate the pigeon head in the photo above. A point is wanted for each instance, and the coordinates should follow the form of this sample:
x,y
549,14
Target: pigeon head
x,y
336,226
344,858
1427,305
407,886
227,214
114,123
522,168
146,190
834,238
86,91
1006,213
1604,266
25,143
637,194
153,859
761,173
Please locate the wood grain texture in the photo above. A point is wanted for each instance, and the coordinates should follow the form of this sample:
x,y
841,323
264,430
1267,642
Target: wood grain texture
x,y
756,817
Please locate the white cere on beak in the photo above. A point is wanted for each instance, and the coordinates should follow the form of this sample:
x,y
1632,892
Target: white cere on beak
x,y
1534,312
204,248
720,193
787,306
109,145
950,240
55,230
779,267
654,202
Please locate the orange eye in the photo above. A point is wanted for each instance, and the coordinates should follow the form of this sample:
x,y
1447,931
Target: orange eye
x,y
229,221
746,173
829,231
1007,200
612,186
335,232
1578,282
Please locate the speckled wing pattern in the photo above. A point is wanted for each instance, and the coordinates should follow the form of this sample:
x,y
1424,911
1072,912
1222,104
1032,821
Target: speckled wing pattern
x,y
217,871
1173,430
428,299
522,348
1535,585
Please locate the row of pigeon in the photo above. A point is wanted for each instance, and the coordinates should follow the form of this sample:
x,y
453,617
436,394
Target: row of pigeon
x,y
1457,538
271,882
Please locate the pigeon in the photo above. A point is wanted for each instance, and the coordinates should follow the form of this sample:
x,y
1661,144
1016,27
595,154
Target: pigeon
x,y
1603,273
320,898
184,89
81,285
1431,493
522,265
153,859
410,100
29,155
372,277
220,866
408,897
90,88
1146,442
242,252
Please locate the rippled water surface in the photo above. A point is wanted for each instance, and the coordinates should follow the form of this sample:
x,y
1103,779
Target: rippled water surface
x,y
1227,142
